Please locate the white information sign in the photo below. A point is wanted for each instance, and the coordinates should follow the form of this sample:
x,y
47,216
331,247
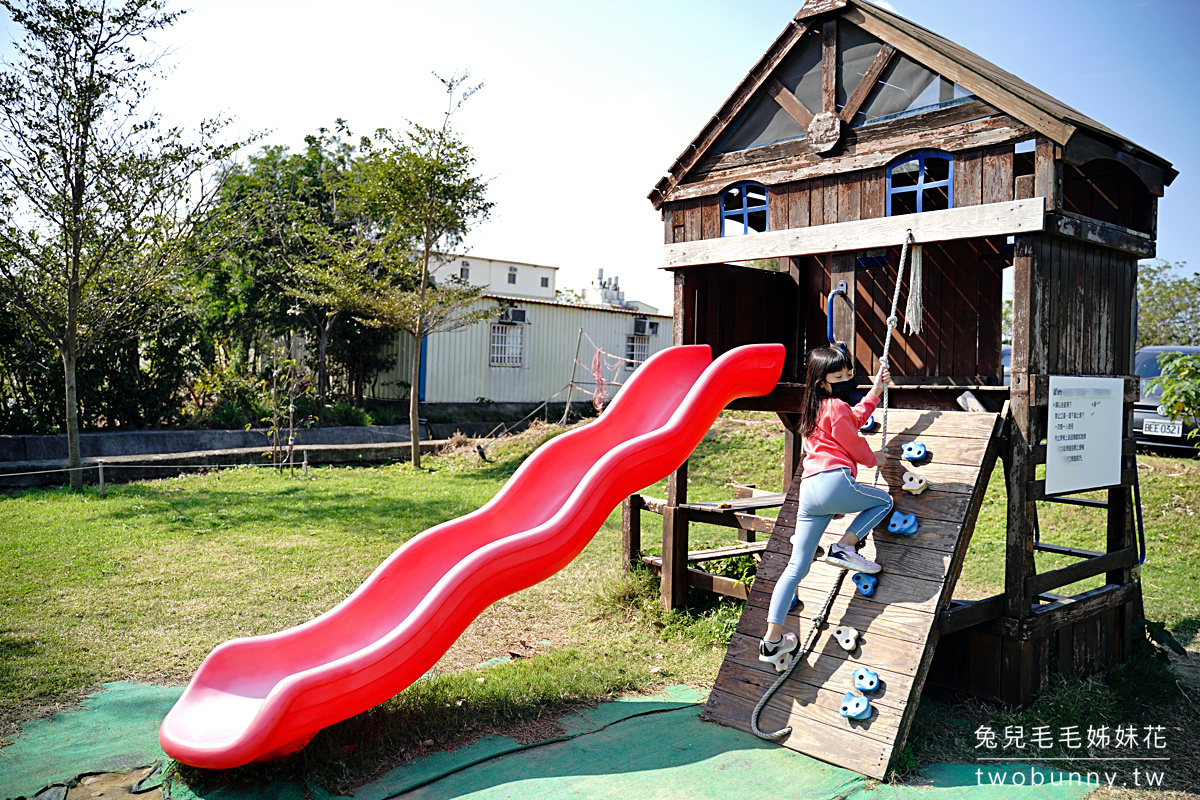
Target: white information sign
x,y
1084,434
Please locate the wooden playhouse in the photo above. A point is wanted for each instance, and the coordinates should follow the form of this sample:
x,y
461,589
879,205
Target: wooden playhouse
x,y
854,128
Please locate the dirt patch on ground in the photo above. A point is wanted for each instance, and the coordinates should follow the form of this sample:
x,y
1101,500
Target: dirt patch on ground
x,y
113,784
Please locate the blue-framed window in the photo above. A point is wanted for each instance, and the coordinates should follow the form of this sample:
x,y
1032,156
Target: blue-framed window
x,y
744,209
921,182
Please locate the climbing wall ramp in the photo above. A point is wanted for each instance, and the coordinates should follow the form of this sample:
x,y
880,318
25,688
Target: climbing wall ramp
x,y
897,625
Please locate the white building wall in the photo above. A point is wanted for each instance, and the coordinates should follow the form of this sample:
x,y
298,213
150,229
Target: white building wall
x,y
458,368
493,275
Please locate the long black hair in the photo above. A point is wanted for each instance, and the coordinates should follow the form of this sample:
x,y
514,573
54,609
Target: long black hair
x,y
821,362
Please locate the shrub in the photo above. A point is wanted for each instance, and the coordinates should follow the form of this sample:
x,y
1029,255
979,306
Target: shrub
x,y
227,416
342,413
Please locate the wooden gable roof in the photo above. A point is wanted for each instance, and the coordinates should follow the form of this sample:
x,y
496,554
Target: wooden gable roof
x,y
1003,90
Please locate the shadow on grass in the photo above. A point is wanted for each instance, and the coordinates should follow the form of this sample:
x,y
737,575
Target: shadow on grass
x,y
1187,631
349,509
30,668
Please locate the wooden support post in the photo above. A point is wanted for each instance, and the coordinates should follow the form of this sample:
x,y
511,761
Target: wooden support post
x,y
793,447
1016,672
741,493
829,66
631,531
100,471
1029,356
675,542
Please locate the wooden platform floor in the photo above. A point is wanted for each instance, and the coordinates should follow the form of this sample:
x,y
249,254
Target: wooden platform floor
x,y
897,626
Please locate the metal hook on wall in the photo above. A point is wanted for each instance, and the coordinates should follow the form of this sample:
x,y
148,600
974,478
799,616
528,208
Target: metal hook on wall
x,y
840,290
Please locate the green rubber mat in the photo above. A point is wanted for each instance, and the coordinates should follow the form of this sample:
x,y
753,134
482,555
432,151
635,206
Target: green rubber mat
x,y
676,756
115,730
645,747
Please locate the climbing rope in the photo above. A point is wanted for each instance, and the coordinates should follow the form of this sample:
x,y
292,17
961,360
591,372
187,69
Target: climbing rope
x,y
892,322
809,640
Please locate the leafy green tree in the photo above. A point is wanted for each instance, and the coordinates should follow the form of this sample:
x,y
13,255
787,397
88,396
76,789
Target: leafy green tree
x,y
1168,304
99,200
415,195
1180,384
290,228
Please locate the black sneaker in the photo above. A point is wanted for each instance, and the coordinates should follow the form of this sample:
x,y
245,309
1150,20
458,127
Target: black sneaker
x,y
779,653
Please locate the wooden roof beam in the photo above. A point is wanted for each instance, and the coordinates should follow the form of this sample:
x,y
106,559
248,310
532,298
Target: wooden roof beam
x,y
854,101
789,103
968,222
977,84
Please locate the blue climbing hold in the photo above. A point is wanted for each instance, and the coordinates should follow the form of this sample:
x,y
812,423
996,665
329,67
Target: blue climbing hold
x,y
913,451
865,583
903,523
869,425
865,680
855,706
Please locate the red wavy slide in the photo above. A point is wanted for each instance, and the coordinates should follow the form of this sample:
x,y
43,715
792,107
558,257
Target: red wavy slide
x,y
266,696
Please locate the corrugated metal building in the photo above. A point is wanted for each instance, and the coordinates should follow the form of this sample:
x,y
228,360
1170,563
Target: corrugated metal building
x,y
527,353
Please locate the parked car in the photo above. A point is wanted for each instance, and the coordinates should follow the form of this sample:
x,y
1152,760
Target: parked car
x,y
1150,426
1006,362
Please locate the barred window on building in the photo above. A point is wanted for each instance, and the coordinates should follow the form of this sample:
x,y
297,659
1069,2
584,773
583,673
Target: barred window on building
x,y
637,349
508,345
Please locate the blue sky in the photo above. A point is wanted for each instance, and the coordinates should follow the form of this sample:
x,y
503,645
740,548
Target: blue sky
x,y
587,103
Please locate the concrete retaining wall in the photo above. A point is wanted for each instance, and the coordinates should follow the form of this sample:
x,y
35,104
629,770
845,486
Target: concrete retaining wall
x,y
129,443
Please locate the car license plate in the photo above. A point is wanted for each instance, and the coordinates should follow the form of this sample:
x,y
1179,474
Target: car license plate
x,y
1162,428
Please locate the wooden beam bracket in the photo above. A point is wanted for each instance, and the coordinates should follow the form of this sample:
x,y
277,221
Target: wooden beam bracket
x,y
1094,231
1089,567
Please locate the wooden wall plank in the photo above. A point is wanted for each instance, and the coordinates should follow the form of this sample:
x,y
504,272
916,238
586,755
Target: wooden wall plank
x,y
815,289
936,314
874,193
691,220
798,205
866,342
968,179
778,207
997,186
849,198
816,203
990,283
710,217
832,188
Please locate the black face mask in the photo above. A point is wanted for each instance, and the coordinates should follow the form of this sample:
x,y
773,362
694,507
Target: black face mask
x,y
842,390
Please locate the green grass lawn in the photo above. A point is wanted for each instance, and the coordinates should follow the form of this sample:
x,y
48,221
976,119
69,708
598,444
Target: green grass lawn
x,y
143,583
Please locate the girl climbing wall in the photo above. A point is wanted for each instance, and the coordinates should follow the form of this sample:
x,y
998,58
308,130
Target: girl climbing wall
x,y
833,448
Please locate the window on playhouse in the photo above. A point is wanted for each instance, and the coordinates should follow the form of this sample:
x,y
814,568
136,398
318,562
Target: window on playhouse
x,y
905,87
920,182
637,350
508,345
744,209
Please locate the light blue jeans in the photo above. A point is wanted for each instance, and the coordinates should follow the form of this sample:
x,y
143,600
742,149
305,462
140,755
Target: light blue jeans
x,y
821,497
